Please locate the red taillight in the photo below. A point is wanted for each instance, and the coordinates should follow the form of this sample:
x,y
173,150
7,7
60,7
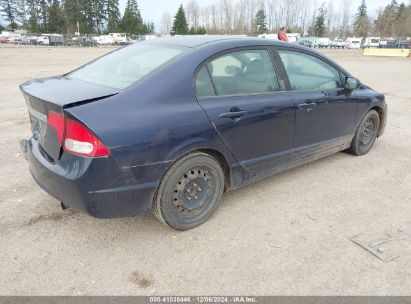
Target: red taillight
x,y
56,120
77,138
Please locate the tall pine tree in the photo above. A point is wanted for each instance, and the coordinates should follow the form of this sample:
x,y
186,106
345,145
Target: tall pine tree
x,y
361,21
180,26
260,22
32,22
319,25
132,23
113,16
56,18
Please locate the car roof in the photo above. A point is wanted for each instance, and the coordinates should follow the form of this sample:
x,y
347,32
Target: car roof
x,y
195,41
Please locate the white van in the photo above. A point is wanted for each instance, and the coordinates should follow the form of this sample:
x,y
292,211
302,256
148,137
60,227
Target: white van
x,y
354,43
371,42
119,38
323,42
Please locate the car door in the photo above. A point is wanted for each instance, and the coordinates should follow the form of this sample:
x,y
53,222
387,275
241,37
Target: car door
x,y
325,112
240,92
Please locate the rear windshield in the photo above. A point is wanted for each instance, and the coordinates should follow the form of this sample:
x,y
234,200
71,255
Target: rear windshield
x,y
124,67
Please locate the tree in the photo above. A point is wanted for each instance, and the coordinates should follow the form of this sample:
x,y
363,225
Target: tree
x,y
148,27
201,31
21,12
180,26
8,9
260,22
361,21
113,16
1,28
74,14
132,23
56,18
32,23
319,25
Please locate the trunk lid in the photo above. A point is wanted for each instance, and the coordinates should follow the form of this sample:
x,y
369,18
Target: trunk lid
x,y
54,94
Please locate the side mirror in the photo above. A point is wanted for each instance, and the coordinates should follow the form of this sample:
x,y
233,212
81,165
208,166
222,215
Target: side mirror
x,y
352,83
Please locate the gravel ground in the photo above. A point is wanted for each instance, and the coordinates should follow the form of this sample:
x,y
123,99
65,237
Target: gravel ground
x,y
286,235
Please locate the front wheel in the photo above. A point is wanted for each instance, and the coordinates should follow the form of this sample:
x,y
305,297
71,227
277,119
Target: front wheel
x,y
366,134
190,192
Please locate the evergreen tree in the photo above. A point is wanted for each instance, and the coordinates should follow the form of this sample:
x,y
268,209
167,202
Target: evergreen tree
x,y
319,25
201,31
44,14
32,23
98,15
8,9
73,12
180,25
56,18
113,16
260,22
361,21
148,28
132,23
1,28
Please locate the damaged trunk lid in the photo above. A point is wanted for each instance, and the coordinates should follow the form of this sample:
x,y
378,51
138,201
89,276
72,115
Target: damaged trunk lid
x,y
47,96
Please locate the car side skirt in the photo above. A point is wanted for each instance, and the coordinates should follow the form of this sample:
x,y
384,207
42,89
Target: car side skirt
x,y
304,155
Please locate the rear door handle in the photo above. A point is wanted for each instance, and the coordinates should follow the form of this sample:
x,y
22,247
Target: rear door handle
x,y
233,114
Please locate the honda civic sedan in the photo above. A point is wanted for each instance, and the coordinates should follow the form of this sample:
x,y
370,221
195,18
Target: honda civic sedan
x,y
168,125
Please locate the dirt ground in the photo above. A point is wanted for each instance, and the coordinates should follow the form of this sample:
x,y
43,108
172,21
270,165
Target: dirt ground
x,y
287,235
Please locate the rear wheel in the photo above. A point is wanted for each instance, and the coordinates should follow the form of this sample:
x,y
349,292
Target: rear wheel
x,y
189,192
366,134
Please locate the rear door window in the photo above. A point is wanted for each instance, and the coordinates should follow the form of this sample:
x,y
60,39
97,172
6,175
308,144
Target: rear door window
x,y
240,73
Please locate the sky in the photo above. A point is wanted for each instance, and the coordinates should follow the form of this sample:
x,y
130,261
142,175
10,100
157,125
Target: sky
x,y
152,10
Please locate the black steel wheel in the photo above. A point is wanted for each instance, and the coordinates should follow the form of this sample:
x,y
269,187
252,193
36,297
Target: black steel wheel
x,y
366,134
189,192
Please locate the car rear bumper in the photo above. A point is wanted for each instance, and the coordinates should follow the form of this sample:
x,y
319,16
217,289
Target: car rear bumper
x,y
96,186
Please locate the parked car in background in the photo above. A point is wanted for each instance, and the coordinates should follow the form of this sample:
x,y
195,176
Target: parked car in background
x,y
371,42
338,43
353,43
43,40
293,37
51,39
230,111
15,40
83,41
323,42
387,43
119,38
105,40
30,40
403,43
306,43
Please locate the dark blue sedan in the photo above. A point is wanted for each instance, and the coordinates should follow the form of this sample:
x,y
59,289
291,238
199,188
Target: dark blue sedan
x,y
169,125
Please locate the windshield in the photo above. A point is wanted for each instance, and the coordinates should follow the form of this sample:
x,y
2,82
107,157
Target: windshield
x,y
124,67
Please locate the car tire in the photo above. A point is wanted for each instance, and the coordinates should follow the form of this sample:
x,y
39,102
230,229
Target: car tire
x,y
190,191
366,134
